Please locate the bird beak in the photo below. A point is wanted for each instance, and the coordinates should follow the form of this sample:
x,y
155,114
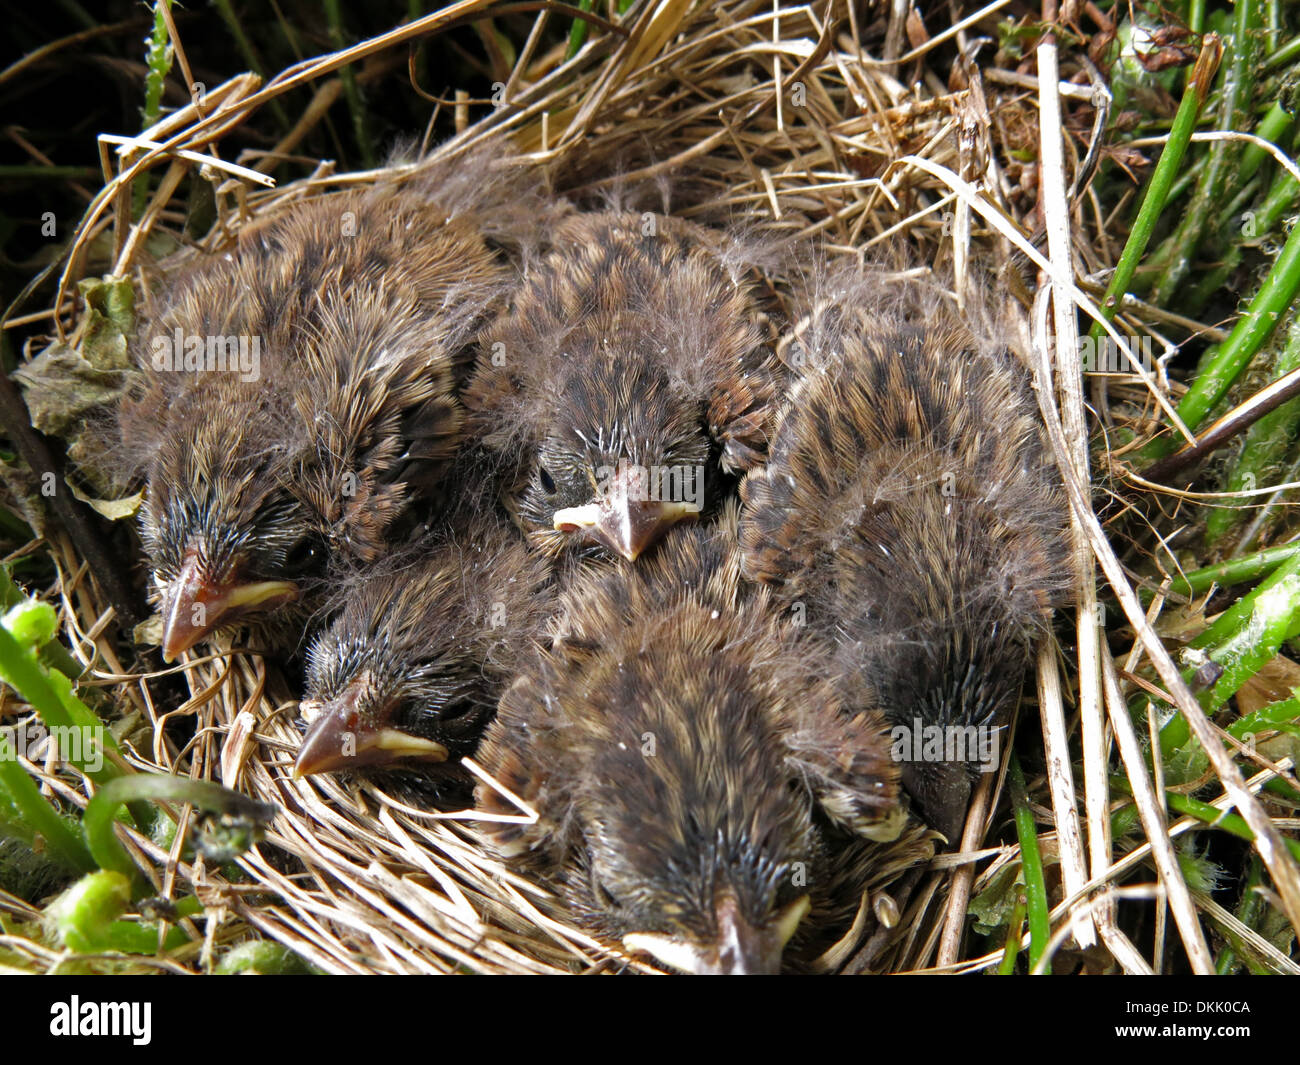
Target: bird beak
x,y
740,949
623,520
194,606
338,737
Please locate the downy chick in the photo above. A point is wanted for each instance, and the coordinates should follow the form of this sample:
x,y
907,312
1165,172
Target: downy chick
x,y
694,770
629,377
408,674
909,506
349,313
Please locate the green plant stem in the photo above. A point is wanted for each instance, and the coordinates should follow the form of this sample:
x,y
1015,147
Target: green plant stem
x,y
1269,718
41,172
1236,616
1204,812
1180,248
1231,823
1162,180
1234,571
202,794
1032,866
1011,949
1266,445
1267,512
351,90
1248,913
1284,56
1272,127
52,654
1239,946
85,918
1241,640
25,798
1259,222
51,696
577,32
158,61
1247,337
1276,619
1268,217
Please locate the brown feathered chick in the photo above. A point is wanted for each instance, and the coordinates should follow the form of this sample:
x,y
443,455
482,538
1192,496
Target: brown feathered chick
x,y
909,506
628,378
692,768
409,672
347,313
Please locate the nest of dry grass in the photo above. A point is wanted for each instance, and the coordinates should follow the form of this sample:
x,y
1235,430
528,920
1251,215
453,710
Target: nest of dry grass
x,y
788,120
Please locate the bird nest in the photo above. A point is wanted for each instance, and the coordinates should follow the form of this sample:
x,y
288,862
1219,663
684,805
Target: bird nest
x,y
797,121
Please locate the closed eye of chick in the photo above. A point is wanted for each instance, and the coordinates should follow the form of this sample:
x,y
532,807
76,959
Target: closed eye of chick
x,y
628,378
259,475
694,772
909,504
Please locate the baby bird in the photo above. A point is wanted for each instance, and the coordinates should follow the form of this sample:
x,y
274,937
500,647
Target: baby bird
x,y
694,771
629,376
909,507
408,674
348,314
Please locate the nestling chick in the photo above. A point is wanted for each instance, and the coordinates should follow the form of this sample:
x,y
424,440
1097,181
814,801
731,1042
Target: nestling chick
x,y
628,377
347,314
409,672
909,505
694,771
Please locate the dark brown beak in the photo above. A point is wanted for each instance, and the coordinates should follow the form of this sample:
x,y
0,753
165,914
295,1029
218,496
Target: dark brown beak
x,y
743,950
740,949
340,736
624,521
194,606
